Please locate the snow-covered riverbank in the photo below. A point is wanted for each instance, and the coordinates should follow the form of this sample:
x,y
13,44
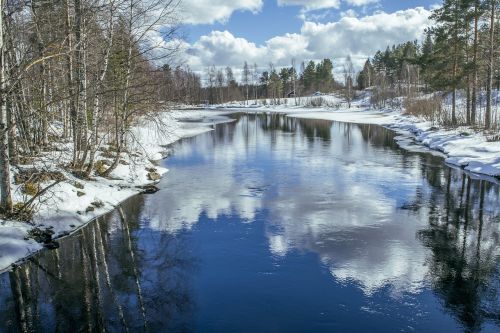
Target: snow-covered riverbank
x,y
74,202
463,147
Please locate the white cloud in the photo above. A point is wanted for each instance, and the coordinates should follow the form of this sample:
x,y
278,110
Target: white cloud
x,y
364,36
359,37
211,11
361,2
349,13
221,48
308,5
311,4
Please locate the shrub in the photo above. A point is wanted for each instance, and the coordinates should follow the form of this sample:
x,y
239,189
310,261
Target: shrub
x,y
37,176
31,188
315,102
101,166
428,108
22,213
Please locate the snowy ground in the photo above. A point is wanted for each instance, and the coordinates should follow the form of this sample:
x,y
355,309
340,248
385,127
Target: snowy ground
x,y
64,211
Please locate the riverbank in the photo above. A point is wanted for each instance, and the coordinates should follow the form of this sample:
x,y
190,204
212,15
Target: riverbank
x,y
461,147
74,202
464,147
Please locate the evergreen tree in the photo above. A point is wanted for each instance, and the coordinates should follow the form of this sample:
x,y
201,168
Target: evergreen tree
x,y
309,77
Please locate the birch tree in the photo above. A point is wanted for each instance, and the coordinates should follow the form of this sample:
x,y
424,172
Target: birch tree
x,y
246,79
5,189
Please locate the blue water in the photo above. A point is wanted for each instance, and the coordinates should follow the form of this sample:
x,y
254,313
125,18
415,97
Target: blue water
x,y
273,224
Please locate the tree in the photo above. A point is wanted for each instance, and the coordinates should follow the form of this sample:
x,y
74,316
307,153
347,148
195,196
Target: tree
x,y
365,77
348,80
425,59
246,79
255,79
211,76
294,80
220,80
475,62
285,77
5,197
491,63
309,76
274,84
324,75
450,31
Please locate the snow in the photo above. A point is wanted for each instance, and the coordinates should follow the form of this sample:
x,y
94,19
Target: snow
x,y
63,211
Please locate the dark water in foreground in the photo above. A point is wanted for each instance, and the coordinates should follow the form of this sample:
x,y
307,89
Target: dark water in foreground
x,y
273,224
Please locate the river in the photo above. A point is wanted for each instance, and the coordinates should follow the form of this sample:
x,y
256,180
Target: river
x,y
277,224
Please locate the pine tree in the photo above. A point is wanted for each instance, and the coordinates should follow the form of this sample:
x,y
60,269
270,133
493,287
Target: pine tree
x,y
450,32
365,77
309,76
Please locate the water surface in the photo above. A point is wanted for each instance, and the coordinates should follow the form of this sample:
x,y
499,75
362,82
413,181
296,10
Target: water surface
x,y
276,224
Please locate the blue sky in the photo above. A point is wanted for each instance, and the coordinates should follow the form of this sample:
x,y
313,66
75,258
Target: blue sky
x,y
273,20
229,32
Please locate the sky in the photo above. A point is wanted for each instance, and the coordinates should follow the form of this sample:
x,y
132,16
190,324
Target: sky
x,y
230,32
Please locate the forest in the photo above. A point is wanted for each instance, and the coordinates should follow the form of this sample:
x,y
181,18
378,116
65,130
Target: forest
x,y
75,73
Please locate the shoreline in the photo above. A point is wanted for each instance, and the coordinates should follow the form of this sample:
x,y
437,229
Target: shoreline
x,y
461,148
25,248
65,212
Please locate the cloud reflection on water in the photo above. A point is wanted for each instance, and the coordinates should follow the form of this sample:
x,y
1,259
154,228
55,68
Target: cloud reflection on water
x,y
342,191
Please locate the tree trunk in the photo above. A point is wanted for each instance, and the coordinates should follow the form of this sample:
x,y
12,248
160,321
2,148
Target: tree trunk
x,y
71,90
475,64
468,80
5,196
455,71
14,157
491,63
81,83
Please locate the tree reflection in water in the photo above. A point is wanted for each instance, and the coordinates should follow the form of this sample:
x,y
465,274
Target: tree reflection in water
x,y
464,245
104,278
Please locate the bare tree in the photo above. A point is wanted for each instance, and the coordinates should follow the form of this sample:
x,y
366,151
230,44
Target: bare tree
x,y
5,197
348,80
246,79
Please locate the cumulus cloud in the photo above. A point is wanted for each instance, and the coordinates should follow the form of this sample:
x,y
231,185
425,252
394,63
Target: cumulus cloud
x,y
211,11
309,5
359,37
221,48
364,36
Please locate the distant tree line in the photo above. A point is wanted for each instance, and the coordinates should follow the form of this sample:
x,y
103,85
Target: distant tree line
x,y
222,85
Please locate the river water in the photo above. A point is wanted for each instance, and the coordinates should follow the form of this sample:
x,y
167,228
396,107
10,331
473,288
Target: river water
x,y
276,224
